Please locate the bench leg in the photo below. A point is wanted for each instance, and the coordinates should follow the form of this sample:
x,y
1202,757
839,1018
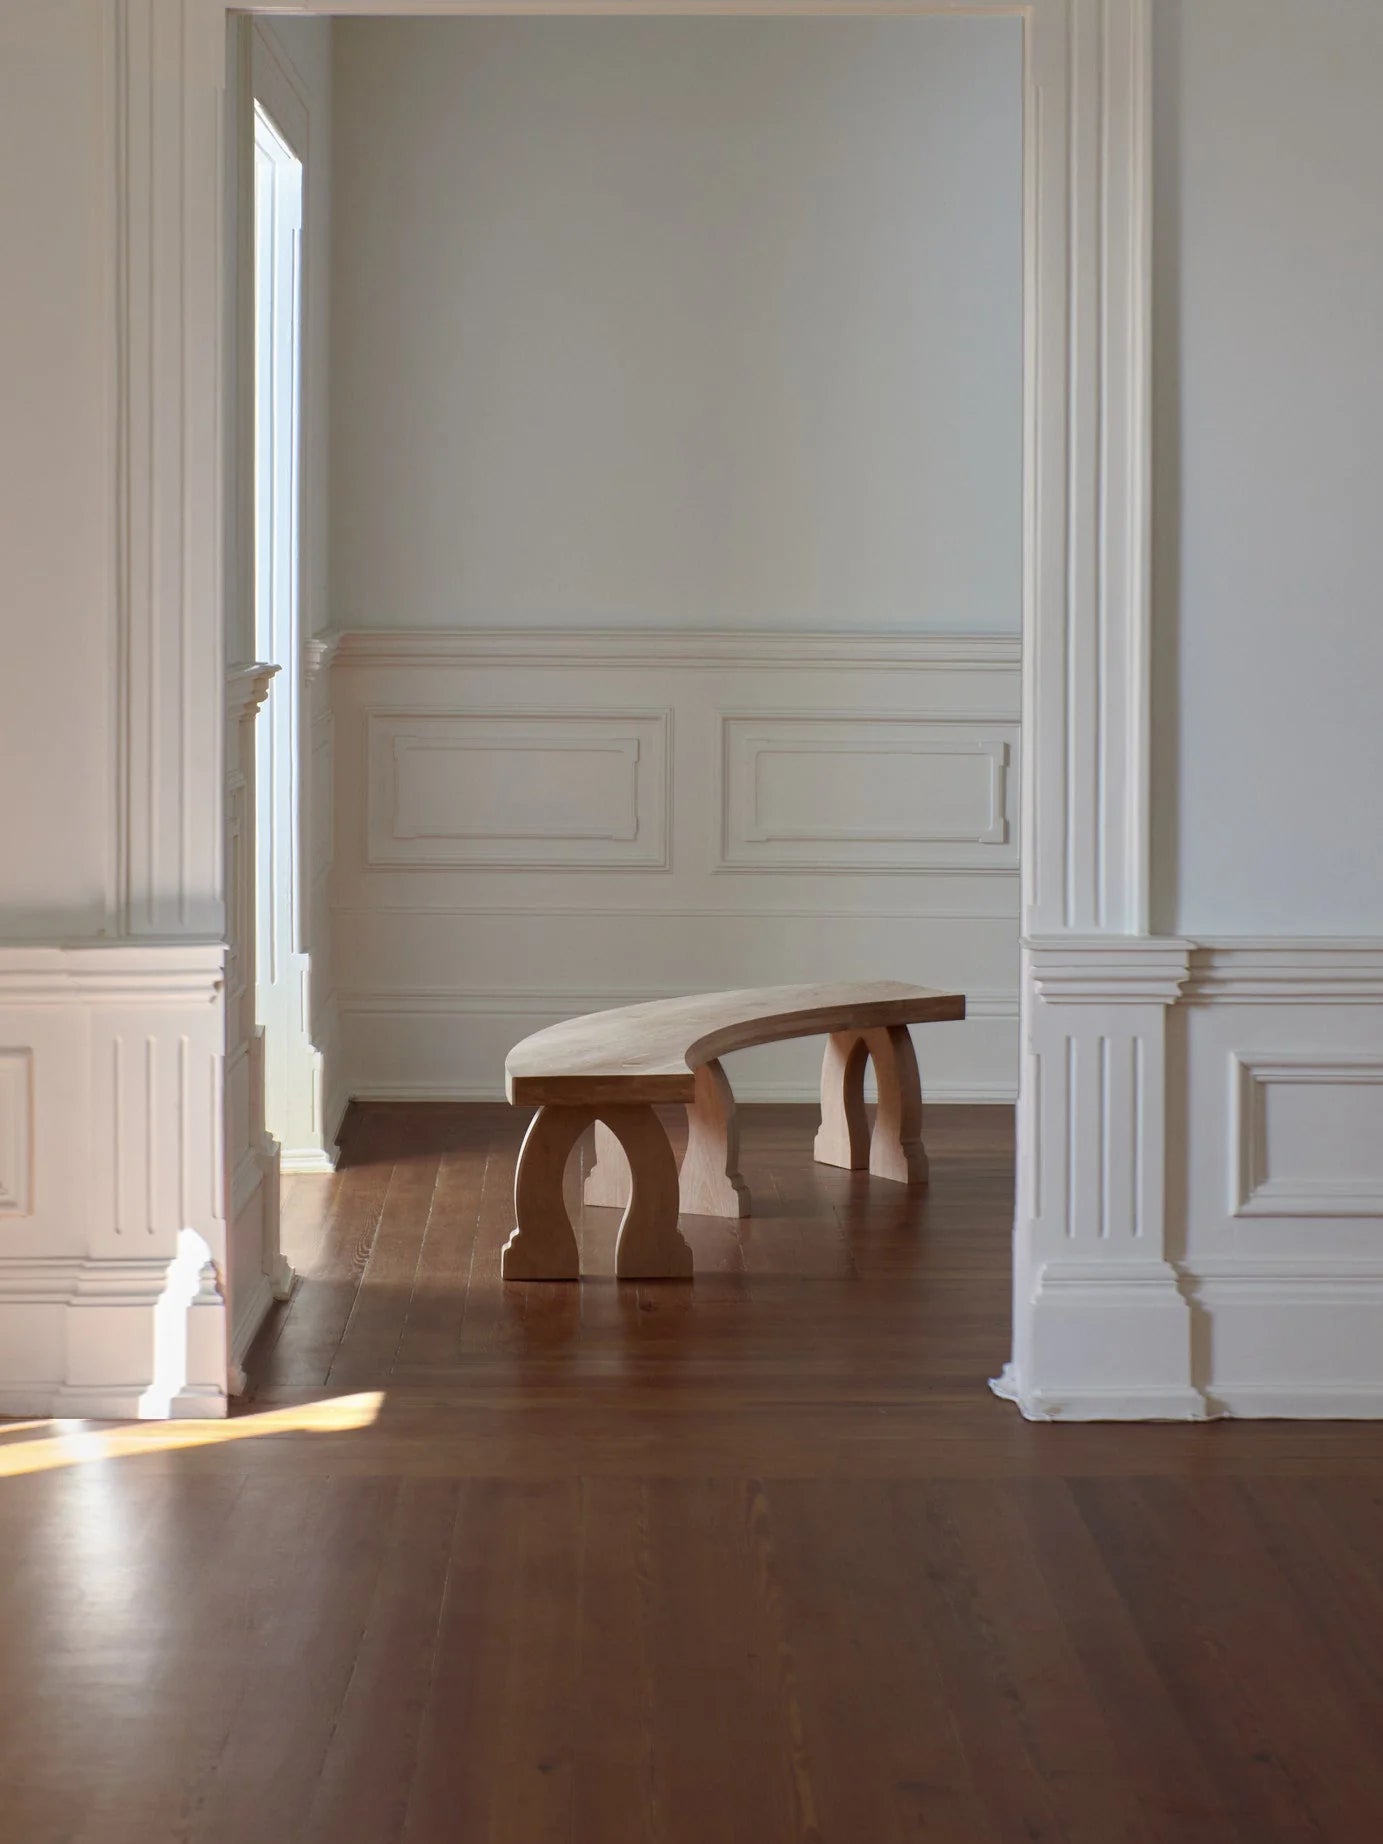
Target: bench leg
x,y
710,1183
895,1148
843,1136
650,1246
543,1244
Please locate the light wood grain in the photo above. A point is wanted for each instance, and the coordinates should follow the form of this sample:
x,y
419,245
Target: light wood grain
x,y
895,1146
607,1178
758,1559
543,1244
648,1053
843,1136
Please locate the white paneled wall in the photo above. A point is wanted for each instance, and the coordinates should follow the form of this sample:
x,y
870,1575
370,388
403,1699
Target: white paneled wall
x,y
1277,1179
534,824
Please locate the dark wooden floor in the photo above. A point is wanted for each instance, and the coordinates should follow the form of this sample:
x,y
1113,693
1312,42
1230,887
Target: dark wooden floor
x,y
752,1560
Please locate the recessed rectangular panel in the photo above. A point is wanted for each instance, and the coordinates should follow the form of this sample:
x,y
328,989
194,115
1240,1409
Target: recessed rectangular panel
x,y
868,794
1308,1135
532,791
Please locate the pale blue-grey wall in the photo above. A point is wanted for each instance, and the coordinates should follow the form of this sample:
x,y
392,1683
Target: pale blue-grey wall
x,y
704,321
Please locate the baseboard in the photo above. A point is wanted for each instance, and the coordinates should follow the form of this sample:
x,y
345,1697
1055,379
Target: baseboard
x,y
1154,1402
312,1159
1298,1401
246,1329
99,1402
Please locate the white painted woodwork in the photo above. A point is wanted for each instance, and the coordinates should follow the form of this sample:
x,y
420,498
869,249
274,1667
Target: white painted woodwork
x,y
531,791
112,1192
870,792
1278,1175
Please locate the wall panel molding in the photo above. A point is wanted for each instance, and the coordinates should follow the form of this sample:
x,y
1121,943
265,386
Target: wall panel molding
x,y
519,790
1320,1084
879,791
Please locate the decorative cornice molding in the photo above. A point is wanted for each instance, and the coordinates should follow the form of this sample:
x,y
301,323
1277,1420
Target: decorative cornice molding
x,y
1108,969
246,688
641,647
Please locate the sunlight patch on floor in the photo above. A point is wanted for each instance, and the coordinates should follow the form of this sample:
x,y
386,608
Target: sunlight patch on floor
x,y
46,1445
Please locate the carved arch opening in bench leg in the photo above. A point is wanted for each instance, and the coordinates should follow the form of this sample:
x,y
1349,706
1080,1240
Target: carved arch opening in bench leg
x,y
895,1149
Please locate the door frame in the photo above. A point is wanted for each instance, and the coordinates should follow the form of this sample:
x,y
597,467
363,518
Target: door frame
x,y
1100,1324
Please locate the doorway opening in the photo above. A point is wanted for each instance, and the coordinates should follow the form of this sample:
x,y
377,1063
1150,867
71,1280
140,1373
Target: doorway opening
x,y
291,1064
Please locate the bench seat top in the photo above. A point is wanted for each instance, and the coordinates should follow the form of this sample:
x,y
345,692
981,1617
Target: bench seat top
x,y
641,1053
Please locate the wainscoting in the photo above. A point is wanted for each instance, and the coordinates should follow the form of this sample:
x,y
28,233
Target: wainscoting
x,y
1275,1173
532,824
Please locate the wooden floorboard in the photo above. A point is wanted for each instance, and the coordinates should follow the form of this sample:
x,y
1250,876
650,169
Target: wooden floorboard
x,y
753,1559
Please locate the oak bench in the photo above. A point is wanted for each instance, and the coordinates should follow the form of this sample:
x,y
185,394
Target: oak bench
x,y
609,1069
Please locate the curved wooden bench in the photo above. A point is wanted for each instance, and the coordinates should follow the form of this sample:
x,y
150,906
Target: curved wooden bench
x,y
608,1069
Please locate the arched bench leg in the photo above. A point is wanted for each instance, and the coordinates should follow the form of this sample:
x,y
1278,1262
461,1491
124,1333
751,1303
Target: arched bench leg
x,y
710,1183
543,1244
843,1136
895,1148
650,1247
